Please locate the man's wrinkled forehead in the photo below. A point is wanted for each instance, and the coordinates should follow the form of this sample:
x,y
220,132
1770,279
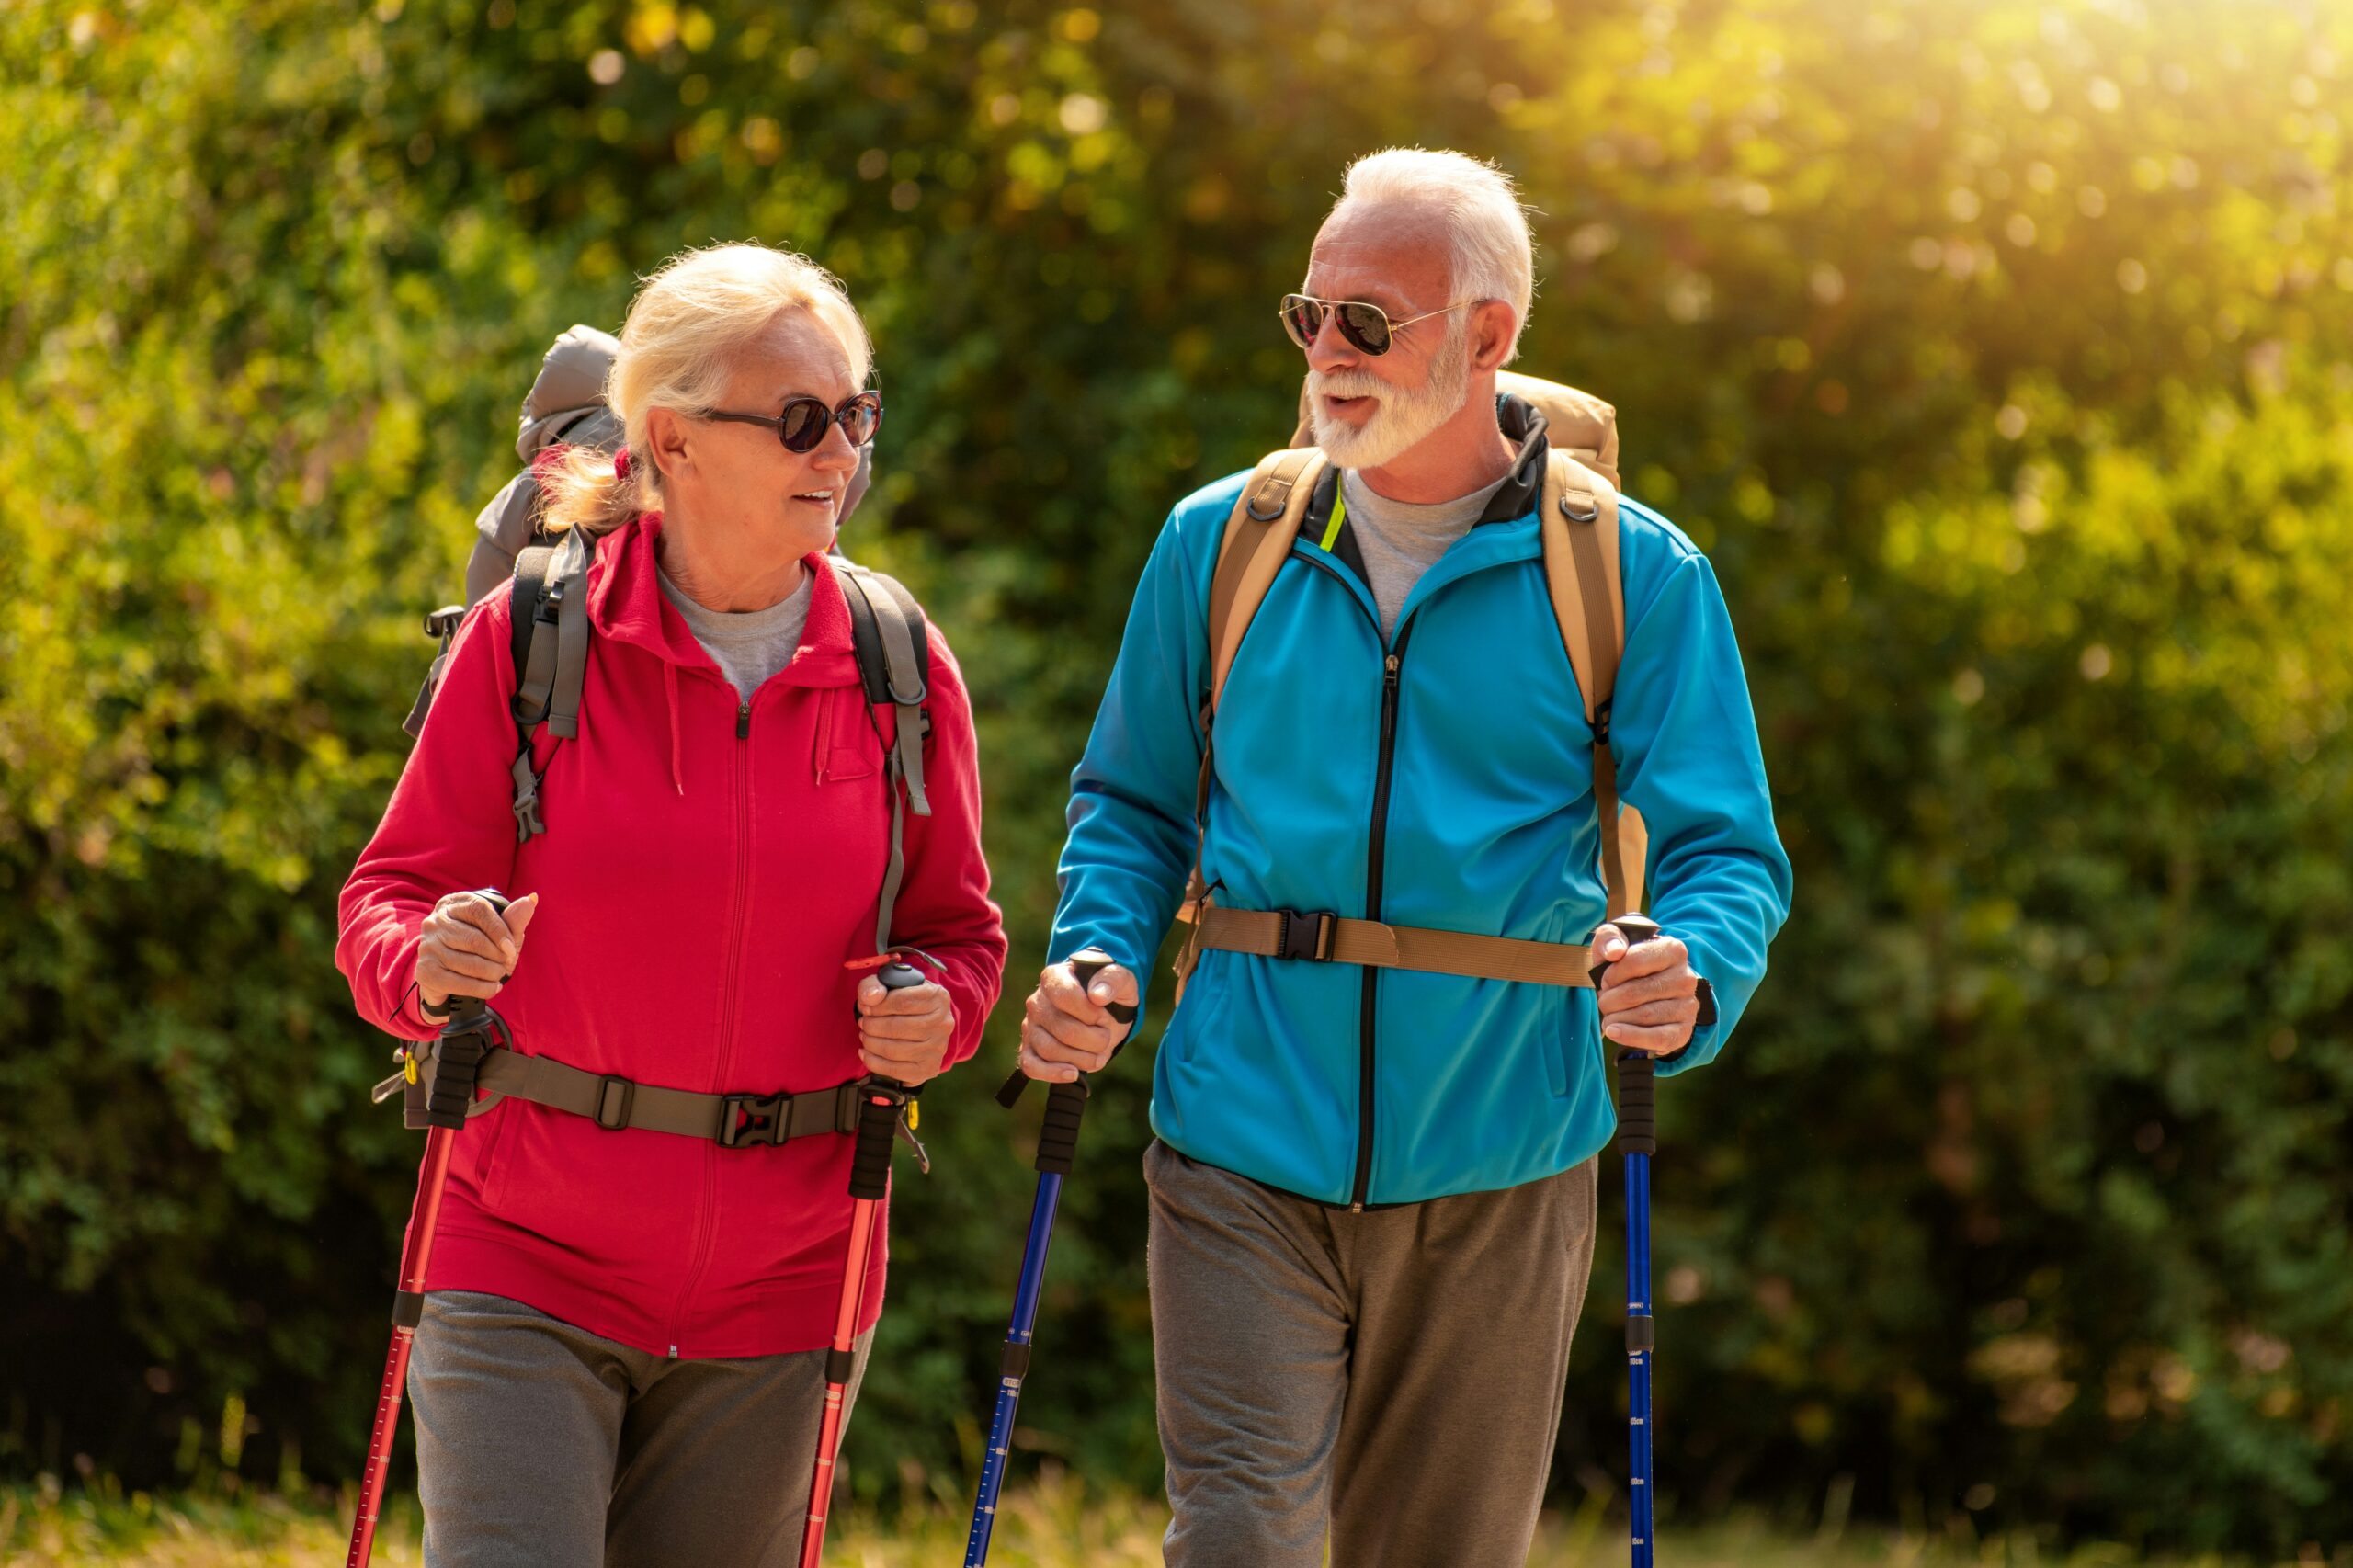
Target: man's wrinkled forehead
x,y
1388,253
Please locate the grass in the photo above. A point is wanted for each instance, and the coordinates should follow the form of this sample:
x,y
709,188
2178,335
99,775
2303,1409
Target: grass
x,y
1054,1524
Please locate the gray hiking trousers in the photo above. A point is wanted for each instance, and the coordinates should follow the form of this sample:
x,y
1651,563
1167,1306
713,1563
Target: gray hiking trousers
x,y
1392,1379
540,1445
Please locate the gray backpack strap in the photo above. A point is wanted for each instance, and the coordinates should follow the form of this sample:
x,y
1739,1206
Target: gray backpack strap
x,y
894,663
549,643
569,581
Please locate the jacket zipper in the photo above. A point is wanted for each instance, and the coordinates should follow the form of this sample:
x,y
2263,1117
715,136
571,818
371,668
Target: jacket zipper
x,y
704,1226
1375,859
1393,664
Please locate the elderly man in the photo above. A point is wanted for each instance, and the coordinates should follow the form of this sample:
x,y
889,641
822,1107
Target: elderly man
x,y
1373,1189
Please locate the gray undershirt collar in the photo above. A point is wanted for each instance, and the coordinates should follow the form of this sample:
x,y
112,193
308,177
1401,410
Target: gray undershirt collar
x,y
1400,540
750,645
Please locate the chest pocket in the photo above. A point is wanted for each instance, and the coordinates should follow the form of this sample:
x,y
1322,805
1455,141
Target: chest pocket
x,y
847,746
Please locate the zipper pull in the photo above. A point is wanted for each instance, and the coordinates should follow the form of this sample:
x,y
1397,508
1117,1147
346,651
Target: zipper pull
x,y
744,722
1394,661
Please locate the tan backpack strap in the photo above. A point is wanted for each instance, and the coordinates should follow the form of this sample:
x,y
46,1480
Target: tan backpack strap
x,y
1322,936
1258,537
1579,519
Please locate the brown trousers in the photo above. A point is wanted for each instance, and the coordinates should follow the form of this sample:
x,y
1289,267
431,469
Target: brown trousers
x,y
1390,1379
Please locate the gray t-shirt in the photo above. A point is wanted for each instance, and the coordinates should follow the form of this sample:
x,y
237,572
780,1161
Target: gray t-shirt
x,y
750,645
1400,540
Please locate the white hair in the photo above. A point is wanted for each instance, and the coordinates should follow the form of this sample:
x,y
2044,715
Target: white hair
x,y
687,329
1487,226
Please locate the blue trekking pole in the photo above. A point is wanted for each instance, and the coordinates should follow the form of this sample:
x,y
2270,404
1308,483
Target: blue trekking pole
x,y
1057,1150
1638,1140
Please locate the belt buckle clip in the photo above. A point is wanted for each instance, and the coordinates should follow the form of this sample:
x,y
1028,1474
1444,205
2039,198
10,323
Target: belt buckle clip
x,y
1308,942
746,1122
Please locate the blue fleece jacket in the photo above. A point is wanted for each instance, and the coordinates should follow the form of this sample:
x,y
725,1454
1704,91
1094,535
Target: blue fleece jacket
x,y
1440,778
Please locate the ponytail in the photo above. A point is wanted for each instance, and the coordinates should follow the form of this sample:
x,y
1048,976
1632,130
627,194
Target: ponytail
x,y
587,490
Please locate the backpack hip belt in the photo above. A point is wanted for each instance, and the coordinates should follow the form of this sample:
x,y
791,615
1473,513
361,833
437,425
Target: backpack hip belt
x,y
1320,936
613,1103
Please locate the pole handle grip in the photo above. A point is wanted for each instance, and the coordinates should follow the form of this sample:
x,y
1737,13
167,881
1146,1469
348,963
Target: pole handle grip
x,y
1637,1103
881,1102
1083,968
1637,1070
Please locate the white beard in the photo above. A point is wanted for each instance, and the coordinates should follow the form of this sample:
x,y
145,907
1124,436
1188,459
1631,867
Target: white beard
x,y
1405,415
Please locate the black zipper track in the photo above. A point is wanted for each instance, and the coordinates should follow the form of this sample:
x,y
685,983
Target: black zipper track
x,y
1392,678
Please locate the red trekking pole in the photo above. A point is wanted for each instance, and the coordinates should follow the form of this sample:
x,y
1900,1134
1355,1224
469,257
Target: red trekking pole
x,y
471,1030
881,1103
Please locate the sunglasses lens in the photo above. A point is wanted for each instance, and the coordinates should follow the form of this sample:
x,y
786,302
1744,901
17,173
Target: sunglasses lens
x,y
1365,326
803,424
1302,318
864,417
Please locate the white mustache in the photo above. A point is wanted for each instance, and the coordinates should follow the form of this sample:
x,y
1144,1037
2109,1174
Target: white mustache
x,y
1346,383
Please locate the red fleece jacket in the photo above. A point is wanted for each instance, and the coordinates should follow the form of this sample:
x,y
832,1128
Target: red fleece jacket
x,y
707,871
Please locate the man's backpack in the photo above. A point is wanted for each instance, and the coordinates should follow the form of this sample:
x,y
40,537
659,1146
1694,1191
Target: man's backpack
x,y
1578,519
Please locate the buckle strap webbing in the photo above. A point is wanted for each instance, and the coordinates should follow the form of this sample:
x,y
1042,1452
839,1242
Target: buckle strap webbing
x,y
550,653
1277,933
570,574
1578,519
614,1103
899,630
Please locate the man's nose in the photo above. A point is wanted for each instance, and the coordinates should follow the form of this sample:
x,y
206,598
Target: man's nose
x,y
1328,351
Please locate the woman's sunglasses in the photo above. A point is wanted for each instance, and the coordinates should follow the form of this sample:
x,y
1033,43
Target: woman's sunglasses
x,y
1367,327
802,424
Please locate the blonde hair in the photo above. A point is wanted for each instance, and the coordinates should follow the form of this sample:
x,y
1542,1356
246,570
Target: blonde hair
x,y
1485,224
688,325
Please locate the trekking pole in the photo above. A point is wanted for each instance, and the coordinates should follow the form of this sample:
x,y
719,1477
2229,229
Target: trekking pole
x,y
457,1056
881,1102
1638,1140
1057,1149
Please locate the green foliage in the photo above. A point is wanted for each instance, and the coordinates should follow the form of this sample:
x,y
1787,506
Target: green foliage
x,y
1998,352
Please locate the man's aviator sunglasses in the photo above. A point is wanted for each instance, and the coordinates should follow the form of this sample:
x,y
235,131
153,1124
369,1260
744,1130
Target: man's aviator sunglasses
x,y
801,425
1367,327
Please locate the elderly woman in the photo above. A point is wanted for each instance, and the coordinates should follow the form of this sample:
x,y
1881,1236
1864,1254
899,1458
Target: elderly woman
x,y
621,1357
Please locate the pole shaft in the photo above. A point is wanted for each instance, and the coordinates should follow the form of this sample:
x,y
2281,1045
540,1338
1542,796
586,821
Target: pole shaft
x,y
829,1431
1018,1339
1638,1355
417,1254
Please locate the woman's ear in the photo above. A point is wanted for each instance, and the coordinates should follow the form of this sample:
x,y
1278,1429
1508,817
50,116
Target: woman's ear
x,y
667,435
1494,324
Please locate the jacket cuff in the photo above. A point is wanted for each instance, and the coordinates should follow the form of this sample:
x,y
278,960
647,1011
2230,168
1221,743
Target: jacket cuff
x,y
1706,1038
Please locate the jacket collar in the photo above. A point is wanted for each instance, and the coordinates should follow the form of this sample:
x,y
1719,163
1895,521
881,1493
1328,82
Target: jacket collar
x,y
625,603
1522,423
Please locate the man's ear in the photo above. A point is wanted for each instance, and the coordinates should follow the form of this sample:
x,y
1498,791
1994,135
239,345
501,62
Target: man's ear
x,y
1492,325
665,433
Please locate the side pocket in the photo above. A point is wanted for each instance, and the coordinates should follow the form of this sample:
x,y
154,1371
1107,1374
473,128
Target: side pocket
x,y
488,1134
1205,994
1560,1037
